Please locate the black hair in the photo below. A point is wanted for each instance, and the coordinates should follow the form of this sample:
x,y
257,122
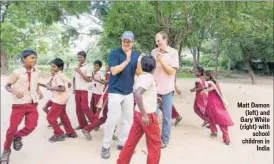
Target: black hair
x,y
58,62
148,63
209,74
201,70
82,53
27,53
98,62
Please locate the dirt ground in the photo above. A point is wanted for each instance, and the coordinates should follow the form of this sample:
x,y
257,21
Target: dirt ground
x,y
190,143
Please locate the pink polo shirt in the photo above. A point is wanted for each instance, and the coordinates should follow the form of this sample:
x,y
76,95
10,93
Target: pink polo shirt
x,y
165,82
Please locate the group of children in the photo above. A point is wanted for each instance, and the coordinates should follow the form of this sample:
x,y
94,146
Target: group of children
x,y
24,85
210,105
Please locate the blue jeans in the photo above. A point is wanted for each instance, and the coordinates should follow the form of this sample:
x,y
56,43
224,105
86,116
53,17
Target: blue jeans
x,y
167,113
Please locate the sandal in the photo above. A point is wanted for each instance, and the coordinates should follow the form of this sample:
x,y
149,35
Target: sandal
x,y
87,134
5,157
57,139
205,123
17,143
73,135
115,138
178,120
214,135
97,128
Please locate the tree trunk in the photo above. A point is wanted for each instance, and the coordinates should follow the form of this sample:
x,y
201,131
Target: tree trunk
x,y
217,53
194,55
229,66
180,55
248,65
198,56
4,62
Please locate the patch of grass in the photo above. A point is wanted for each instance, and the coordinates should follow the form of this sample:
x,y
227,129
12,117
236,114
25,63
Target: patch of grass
x,y
182,74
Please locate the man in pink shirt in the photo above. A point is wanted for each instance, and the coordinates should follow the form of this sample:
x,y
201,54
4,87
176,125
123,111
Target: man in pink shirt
x,y
167,62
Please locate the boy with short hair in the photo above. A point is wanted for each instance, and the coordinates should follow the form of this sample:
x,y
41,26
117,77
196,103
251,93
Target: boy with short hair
x,y
59,87
23,85
81,79
97,85
145,118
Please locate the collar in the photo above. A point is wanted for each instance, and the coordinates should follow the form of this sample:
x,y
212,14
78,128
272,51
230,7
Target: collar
x,y
168,49
24,70
83,64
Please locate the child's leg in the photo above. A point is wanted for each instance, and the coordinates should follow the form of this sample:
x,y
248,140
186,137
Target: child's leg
x,y
213,128
153,140
31,121
66,122
135,134
92,103
79,108
84,104
225,133
16,117
52,117
199,113
175,114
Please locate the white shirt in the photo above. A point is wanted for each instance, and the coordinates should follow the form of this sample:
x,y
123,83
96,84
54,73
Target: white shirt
x,y
147,82
80,83
96,87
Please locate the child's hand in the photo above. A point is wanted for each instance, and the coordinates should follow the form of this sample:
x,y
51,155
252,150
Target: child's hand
x,y
19,95
145,120
48,87
192,90
40,94
77,70
159,100
69,85
45,109
179,92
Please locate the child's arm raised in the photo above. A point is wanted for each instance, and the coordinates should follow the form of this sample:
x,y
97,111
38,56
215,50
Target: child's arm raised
x,y
85,77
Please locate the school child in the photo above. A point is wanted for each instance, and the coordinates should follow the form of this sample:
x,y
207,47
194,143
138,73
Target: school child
x,y
97,85
49,103
23,85
216,109
201,95
145,118
81,78
59,99
97,121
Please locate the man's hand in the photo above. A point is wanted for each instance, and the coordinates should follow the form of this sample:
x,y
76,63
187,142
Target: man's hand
x,y
145,120
159,57
128,56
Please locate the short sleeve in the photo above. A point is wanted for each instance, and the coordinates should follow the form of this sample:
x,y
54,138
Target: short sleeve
x,y
102,76
174,59
144,81
59,80
113,59
13,78
89,74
